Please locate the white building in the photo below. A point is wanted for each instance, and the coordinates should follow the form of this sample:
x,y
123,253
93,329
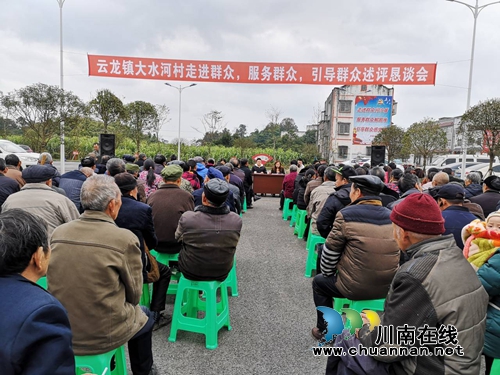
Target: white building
x,y
450,126
353,115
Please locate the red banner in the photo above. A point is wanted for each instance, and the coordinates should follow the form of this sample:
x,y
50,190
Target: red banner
x,y
269,73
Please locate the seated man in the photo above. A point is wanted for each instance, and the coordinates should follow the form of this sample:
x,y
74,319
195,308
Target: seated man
x,y
436,289
198,194
360,257
209,235
96,273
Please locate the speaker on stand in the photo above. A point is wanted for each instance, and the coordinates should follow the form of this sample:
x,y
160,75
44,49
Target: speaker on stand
x,y
377,156
106,145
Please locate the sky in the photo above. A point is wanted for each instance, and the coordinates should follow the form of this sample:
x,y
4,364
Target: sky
x,y
291,31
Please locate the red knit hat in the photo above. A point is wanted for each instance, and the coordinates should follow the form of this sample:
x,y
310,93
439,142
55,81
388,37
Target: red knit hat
x,y
418,213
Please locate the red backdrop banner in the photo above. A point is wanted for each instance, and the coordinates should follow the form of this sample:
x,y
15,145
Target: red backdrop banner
x,y
267,73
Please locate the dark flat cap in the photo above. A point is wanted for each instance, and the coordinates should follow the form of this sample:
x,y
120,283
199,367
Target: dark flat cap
x,y
38,173
216,191
214,173
493,182
128,158
224,170
371,184
451,191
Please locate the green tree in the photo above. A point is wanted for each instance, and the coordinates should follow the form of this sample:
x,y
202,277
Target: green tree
x,y
163,111
425,138
141,117
42,110
240,132
482,125
392,138
106,107
310,137
224,138
243,144
9,127
287,125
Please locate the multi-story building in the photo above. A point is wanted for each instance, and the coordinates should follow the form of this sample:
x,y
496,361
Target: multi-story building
x,y
450,126
352,117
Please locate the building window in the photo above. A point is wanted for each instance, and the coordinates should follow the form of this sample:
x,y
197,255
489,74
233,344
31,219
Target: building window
x,y
343,150
345,106
344,128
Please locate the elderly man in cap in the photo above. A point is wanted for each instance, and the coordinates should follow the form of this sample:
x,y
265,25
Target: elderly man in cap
x,y
360,257
38,198
450,199
8,185
491,195
168,203
210,256
14,169
198,194
436,295
232,188
46,159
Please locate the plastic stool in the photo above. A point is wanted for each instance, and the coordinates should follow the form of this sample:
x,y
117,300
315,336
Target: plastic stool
x,y
371,304
146,296
495,369
188,303
300,225
293,219
312,256
287,212
101,363
166,259
341,303
244,208
232,280
42,281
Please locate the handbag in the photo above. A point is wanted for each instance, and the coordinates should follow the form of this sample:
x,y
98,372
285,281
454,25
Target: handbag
x,y
154,271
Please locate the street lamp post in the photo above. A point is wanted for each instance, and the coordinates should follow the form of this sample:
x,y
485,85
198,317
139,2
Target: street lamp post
x,y
180,88
62,151
475,12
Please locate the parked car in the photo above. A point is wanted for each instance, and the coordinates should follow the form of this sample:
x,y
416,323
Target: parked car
x,y
456,167
444,160
483,168
26,148
27,158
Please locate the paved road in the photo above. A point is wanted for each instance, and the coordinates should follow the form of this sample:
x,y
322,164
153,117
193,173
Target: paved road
x,y
271,319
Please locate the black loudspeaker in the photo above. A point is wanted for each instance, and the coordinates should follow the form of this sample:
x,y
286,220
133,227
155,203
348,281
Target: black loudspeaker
x,y
378,155
106,145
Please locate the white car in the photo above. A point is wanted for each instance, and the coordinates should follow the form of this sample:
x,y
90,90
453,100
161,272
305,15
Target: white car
x,y
27,158
483,168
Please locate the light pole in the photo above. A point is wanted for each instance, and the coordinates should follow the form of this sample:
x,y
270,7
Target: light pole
x,y
180,88
62,152
475,13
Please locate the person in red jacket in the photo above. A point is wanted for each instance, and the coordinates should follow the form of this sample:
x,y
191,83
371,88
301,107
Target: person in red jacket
x,y
288,185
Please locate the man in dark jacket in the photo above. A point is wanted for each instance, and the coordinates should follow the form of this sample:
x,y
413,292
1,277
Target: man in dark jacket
x,y
491,195
46,159
473,185
8,185
288,185
236,179
408,184
169,202
160,162
209,257
247,181
71,182
450,199
360,257
335,201
259,167
198,194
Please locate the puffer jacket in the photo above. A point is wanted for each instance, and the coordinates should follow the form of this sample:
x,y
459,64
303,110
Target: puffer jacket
x,y
333,204
436,287
472,190
362,249
489,275
209,237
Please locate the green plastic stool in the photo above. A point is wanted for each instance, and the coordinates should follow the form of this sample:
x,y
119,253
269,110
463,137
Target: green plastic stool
x,y
101,363
495,369
232,280
287,212
188,303
146,296
371,304
312,256
341,303
293,219
42,281
166,259
244,208
300,225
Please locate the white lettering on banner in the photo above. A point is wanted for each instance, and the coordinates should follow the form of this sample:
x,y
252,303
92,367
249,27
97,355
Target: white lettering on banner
x,y
330,74
216,71
166,69
128,67
153,69
191,71
279,73
408,74
422,75
103,66
355,75
115,67
382,74
203,71
179,70
140,68
228,72
290,74
266,73
343,74
368,74
253,73
395,74
317,74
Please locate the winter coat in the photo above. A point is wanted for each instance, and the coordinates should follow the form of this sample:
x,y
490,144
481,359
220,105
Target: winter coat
x,y
8,186
455,218
257,169
472,190
193,179
209,237
391,205
289,184
333,204
436,287
197,195
318,199
201,170
311,185
96,272
299,194
488,201
71,182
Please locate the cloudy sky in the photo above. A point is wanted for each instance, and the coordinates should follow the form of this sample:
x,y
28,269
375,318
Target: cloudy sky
x,y
296,31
